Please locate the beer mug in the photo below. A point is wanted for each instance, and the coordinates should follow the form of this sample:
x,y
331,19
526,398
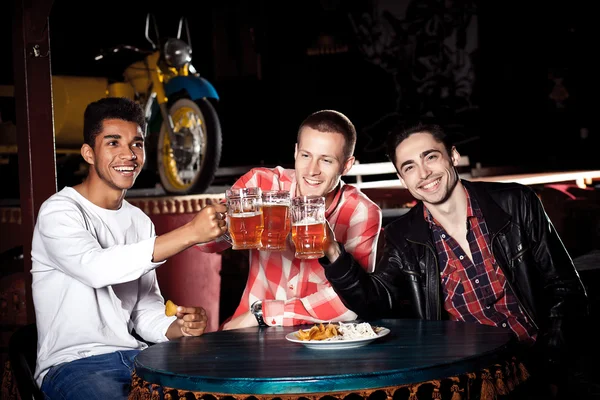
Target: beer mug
x,y
308,226
245,218
276,215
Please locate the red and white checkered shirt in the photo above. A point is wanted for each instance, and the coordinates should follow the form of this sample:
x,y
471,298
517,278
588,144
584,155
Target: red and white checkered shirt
x,y
295,291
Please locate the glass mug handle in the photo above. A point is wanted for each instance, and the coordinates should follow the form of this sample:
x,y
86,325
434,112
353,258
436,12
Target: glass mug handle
x,y
226,237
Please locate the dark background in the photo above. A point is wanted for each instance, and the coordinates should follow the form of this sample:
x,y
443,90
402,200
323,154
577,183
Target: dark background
x,y
531,91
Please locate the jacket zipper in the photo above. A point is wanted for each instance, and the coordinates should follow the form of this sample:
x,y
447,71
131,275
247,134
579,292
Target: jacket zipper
x,y
508,281
437,277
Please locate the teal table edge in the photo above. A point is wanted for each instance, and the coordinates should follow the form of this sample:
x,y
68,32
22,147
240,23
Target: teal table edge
x,y
499,349
315,384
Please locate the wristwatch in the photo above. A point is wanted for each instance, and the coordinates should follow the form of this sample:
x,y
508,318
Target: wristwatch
x,y
256,309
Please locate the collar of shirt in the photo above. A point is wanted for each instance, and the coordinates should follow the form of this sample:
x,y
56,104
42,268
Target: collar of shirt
x,y
336,199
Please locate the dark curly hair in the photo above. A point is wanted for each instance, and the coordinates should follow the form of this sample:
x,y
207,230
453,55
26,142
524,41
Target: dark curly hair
x,y
401,133
110,108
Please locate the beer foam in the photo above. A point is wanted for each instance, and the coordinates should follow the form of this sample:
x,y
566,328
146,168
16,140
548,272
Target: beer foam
x,y
245,214
307,221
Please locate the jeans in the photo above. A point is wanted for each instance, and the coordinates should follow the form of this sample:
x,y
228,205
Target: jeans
x,y
106,376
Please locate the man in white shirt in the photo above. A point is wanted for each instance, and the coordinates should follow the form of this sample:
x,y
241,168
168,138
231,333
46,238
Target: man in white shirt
x,y
93,261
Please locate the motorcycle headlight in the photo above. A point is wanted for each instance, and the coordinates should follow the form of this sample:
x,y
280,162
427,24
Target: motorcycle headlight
x,y
177,53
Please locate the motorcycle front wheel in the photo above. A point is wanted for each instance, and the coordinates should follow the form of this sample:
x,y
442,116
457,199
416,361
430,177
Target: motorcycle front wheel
x,y
187,165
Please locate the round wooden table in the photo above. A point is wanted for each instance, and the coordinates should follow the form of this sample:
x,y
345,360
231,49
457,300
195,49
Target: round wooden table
x,y
260,362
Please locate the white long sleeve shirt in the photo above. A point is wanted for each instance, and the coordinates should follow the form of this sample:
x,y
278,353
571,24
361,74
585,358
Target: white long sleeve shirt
x,y
93,280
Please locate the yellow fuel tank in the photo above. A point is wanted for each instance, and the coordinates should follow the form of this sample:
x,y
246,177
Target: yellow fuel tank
x,y
71,95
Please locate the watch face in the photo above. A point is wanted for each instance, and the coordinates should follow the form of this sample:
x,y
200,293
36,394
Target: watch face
x,y
256,310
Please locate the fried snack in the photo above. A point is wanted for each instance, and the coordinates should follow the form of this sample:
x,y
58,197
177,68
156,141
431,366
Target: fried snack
x,y
318,332
170,308
303,334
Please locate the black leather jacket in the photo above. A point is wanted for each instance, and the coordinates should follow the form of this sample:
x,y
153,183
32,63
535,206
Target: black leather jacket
x,y
406,281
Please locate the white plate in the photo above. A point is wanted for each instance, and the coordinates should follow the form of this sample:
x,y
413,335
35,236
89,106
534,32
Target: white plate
x,y
336,344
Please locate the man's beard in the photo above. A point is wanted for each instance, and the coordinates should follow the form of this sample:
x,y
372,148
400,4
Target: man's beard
x,y
449,190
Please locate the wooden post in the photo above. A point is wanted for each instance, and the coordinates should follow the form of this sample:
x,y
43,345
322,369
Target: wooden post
x,y
35,125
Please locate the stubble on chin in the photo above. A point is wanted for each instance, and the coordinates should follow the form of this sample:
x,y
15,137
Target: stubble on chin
x,y
110,182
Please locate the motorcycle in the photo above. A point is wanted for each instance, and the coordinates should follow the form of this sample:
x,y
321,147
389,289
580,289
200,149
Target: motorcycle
x,y
183,138
188,146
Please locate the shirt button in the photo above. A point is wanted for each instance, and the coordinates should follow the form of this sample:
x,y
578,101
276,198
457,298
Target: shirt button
x,y
488,307
476,280
443,236
461,257
504,324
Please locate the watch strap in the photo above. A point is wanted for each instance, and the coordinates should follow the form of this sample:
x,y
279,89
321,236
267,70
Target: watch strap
x,y
256,309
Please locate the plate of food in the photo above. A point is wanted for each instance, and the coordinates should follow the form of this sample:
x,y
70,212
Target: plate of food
x,y
337,335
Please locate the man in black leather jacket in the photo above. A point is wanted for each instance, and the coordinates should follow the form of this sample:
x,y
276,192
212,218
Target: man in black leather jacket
x,y
468,251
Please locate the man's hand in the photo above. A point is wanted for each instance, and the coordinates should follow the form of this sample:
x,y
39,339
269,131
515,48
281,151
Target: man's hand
x,y
191,321
209,223
331,247
245,320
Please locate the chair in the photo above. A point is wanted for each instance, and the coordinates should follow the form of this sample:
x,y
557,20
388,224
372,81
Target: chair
x,y
22,352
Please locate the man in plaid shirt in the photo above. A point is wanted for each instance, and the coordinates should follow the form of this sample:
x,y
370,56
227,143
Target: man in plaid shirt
x,y
291,291
475,252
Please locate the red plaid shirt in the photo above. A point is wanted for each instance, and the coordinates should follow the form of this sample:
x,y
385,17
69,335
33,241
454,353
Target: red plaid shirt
x,y
476,290
295,291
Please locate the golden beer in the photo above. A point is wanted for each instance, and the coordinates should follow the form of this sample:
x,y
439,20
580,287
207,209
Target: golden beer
x,y
244,217
308,226
308,239
276,212
277,227
246,229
